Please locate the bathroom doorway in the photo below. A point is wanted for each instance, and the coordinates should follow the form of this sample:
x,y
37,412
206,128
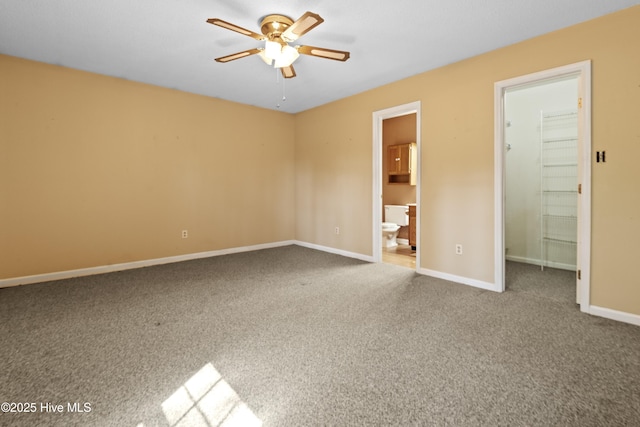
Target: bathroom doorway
x,y
396,143
543,176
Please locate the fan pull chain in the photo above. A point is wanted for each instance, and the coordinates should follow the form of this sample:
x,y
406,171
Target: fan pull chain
x,y
284,95
277,81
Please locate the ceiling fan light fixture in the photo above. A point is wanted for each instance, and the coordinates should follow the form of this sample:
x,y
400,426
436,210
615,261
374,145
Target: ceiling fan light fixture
x,y
272,50
287,56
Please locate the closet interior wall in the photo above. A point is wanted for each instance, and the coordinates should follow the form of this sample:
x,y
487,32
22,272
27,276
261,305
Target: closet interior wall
x,y
541,173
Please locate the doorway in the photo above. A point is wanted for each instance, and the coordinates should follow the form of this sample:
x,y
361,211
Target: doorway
x,y
541,182
399,159
543,173
380,175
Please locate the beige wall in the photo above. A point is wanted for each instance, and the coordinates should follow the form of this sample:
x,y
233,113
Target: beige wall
x,y
334,178
457,196
97,171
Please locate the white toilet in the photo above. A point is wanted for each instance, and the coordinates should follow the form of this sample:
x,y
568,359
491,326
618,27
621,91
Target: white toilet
x,y
395,216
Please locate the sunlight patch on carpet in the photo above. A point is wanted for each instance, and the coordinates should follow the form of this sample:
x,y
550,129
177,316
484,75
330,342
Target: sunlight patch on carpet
x,y
206,399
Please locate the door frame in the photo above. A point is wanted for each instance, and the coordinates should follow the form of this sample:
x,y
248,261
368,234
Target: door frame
x,y
378,118
583,71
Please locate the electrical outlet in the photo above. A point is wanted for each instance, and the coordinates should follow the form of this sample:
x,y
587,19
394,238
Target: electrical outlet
x,y
185,234
458,249
337,230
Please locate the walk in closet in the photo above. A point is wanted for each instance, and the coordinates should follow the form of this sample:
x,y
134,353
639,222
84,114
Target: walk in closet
x,y
541,174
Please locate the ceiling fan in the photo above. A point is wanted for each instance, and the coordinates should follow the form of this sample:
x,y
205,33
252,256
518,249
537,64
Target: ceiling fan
x,y
277,32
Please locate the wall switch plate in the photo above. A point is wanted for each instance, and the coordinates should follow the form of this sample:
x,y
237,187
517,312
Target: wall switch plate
x,y
337,230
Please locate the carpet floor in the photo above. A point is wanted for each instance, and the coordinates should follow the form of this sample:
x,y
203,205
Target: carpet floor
x,y
291,336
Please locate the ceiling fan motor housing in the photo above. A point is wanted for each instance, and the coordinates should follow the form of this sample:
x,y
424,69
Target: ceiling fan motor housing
x,y
273,26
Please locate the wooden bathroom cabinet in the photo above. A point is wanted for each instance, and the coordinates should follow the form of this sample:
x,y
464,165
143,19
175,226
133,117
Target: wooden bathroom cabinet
x,y
412,227
402,163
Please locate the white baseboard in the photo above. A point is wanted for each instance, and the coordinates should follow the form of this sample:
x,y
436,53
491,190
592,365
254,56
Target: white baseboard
x,y
522,259
459,279
367,258
25,280
619,316
533,261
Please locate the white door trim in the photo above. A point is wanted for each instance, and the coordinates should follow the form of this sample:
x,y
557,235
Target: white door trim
x,y
583,71
378,117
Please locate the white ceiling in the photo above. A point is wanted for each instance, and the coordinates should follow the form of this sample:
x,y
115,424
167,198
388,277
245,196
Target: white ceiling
x,y
168,42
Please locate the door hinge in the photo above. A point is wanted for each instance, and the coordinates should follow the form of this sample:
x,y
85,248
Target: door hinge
x,y
579,102
579,188
579,274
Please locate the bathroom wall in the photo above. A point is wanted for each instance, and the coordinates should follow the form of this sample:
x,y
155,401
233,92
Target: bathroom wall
x,y
97,171
522,178
397,130
457,188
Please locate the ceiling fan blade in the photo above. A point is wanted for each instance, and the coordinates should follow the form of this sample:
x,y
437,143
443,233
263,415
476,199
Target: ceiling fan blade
x,y
288,72
321,52
238,55
237,29
302,26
